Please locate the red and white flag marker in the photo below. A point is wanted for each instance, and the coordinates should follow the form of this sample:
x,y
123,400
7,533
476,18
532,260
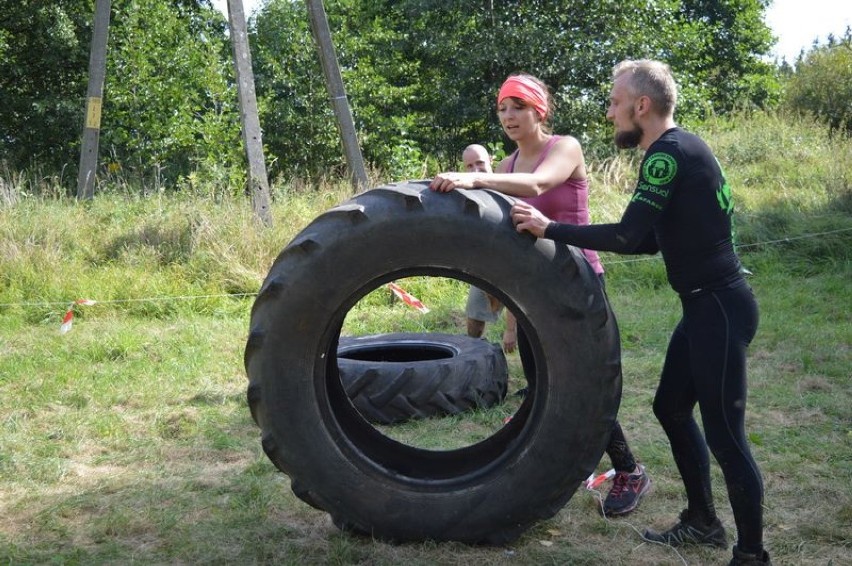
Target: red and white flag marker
x,y
68,319
407,298
593,482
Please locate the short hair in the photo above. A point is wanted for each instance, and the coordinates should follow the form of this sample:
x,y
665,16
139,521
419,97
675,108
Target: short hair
x,y
650,78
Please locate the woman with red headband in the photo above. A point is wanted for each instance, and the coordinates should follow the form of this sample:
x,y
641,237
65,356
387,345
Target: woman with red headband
x,y
549,172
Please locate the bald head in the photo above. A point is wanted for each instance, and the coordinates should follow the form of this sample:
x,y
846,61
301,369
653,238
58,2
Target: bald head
x,y
476,159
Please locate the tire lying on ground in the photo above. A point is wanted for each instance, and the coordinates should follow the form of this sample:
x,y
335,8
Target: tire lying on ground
x,y
489,492
391,378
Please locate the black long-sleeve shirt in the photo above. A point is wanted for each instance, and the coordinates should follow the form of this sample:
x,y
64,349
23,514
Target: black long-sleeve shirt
x,y
682,207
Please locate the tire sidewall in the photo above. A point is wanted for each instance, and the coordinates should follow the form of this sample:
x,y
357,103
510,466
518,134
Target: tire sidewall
x,y
558,302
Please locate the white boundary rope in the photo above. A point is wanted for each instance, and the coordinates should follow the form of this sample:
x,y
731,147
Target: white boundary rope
x,y
139,300
742,246
399,292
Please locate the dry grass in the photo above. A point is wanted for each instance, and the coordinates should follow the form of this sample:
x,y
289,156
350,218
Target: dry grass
x,y
128,440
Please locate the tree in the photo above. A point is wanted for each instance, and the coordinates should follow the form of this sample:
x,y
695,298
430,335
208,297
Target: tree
x,y
43,62
821,84
457,53
169,101
170,104
299,132
299,127
422,74
718,48
421,77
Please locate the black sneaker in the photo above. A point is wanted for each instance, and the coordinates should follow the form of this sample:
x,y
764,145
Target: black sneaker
x,y
627,490
747,559
690,531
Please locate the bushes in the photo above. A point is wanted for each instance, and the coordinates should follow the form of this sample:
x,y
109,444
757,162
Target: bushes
x,y
822,84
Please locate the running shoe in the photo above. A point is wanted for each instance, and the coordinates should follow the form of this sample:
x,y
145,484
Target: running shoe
x,y
690,531
747,559
627,489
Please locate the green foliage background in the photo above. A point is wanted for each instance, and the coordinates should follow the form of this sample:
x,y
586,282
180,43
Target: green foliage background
x,y
822,83
169,96
43,62
420,75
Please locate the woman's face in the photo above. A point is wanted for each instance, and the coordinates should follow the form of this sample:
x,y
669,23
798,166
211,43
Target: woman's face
x,y
518,118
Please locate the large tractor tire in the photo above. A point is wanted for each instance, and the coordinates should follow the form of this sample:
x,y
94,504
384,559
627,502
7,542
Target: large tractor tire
x,y
489,492
392,378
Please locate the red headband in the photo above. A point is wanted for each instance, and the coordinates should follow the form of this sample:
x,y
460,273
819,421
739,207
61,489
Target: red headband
x,y
526,90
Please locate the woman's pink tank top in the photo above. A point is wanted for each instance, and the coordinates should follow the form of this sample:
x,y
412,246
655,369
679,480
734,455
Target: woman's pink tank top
x,y
567,202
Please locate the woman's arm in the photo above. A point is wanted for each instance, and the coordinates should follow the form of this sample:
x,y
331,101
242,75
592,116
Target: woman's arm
x,y
562,161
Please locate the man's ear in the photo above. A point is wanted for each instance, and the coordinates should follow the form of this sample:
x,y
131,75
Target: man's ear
x,y
643,104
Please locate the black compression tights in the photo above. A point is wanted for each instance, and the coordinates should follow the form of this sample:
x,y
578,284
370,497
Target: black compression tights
x,y
619,452
706,364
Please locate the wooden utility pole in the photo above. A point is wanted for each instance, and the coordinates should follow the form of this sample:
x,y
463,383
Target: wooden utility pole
x,y
339,102
94,99
250,122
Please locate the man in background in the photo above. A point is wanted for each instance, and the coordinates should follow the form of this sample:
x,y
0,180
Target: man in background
x,y
481,307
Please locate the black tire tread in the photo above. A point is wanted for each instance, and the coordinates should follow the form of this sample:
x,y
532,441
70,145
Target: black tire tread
x,y
390,393
373,489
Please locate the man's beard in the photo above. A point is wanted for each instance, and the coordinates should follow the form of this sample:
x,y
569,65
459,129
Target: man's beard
x,y
628,139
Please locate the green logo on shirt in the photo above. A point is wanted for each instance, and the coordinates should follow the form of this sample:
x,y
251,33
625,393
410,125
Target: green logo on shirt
x,y
725,198
659,169
723,193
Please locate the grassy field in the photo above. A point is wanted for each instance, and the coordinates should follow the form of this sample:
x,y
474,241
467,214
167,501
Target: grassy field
x,y
128,439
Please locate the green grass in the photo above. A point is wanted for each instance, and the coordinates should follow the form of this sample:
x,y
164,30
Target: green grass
x,y
129,440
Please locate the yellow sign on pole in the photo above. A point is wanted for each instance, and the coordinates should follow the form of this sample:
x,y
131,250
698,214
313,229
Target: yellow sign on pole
x,y
94,94
93,112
